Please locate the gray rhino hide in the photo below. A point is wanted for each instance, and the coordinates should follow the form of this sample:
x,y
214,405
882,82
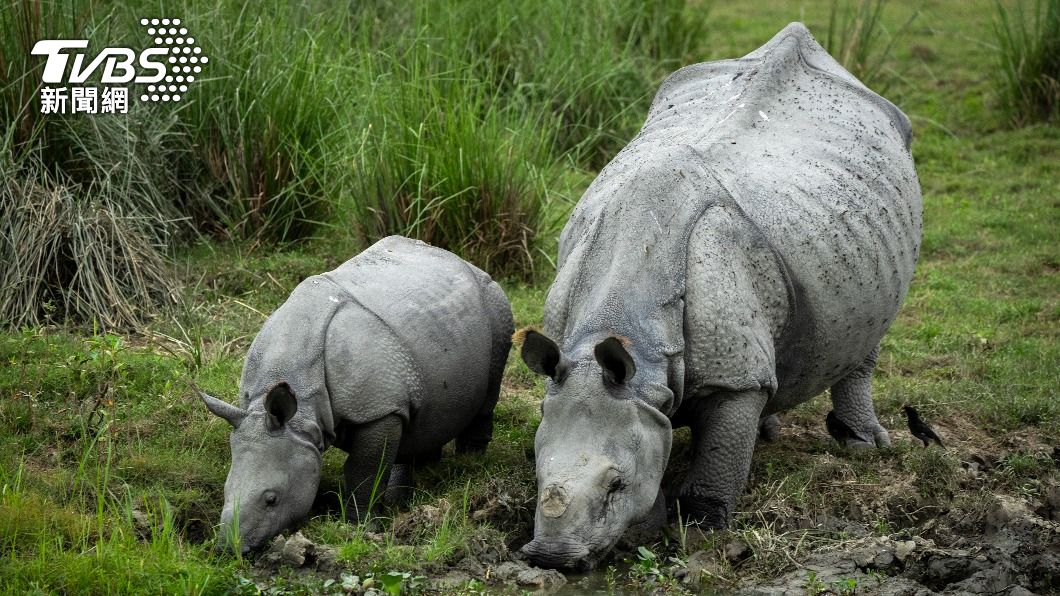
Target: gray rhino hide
x,y
780,135
749,248
389,357
415,305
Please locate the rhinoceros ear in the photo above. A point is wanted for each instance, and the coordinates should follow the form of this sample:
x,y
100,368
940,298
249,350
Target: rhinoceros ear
x,y
542,355
615,361
280,404
224,409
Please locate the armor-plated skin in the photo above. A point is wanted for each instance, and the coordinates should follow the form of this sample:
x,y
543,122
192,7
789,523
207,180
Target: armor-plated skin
x,y
388,357
746,251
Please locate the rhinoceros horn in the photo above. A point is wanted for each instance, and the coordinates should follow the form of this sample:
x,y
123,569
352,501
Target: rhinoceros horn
x,y
232,414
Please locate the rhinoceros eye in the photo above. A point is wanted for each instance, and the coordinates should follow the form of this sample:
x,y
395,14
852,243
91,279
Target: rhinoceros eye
x,y
613,482
270,498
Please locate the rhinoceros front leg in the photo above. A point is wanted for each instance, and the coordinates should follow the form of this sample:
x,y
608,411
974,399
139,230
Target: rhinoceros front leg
x,y
373,447
724,429
852,404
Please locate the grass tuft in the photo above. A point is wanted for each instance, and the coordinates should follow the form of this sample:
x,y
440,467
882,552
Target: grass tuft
x,y
856,31
85,251
443,160
86,213
1028,75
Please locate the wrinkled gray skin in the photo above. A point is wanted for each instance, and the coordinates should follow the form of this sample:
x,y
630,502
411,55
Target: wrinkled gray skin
x,y
746,251
389,357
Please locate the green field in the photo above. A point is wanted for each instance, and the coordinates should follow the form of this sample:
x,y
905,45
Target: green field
x,y
476,126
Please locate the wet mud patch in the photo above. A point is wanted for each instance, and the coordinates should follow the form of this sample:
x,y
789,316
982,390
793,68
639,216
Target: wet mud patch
x,y
981,516
296,564
1018,553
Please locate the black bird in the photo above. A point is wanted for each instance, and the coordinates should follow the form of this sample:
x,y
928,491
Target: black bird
x,y
839,429
919,428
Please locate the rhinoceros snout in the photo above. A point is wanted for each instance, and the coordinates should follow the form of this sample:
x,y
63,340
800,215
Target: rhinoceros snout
x,y
558,553
554,500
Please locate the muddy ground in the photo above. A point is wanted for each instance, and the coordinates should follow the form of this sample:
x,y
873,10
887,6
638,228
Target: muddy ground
x,y
987,531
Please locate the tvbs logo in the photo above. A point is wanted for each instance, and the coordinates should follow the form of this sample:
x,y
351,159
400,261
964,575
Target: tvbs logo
x,y
163,71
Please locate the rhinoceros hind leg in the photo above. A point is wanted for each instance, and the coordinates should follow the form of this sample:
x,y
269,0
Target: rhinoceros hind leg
x,y
373,447
769,428
852,404
478,433
403,477
724,429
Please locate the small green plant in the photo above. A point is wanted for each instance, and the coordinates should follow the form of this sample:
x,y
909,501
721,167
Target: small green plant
x,y
190,347
936,473
813,584
682,530
233,538
246,587
1020,470
104,376
1028,77
393,581
649,571
450,537
610,578
647,562
847,586
349,582
882,527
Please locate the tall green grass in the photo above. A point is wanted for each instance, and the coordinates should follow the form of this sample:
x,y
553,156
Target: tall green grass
x,y
86,211
453,122
1028,74
594,66
859,40
443,158
265,117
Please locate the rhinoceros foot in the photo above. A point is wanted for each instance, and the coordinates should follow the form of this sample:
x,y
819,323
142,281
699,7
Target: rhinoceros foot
x,y
704,507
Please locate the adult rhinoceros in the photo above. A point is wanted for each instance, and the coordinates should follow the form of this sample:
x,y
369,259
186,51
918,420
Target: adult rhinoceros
x,y
746,251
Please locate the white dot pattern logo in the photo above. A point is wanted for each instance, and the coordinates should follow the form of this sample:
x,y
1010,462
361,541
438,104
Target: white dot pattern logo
x,y
184,56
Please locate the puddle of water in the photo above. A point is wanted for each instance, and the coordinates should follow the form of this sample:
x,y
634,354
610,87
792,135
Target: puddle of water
x,y
595,582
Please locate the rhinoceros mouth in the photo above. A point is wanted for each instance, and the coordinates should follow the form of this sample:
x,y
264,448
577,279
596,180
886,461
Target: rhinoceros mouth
x,y
561,552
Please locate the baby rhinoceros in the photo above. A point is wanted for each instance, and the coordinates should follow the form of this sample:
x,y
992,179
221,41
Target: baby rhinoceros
x,y
389,357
